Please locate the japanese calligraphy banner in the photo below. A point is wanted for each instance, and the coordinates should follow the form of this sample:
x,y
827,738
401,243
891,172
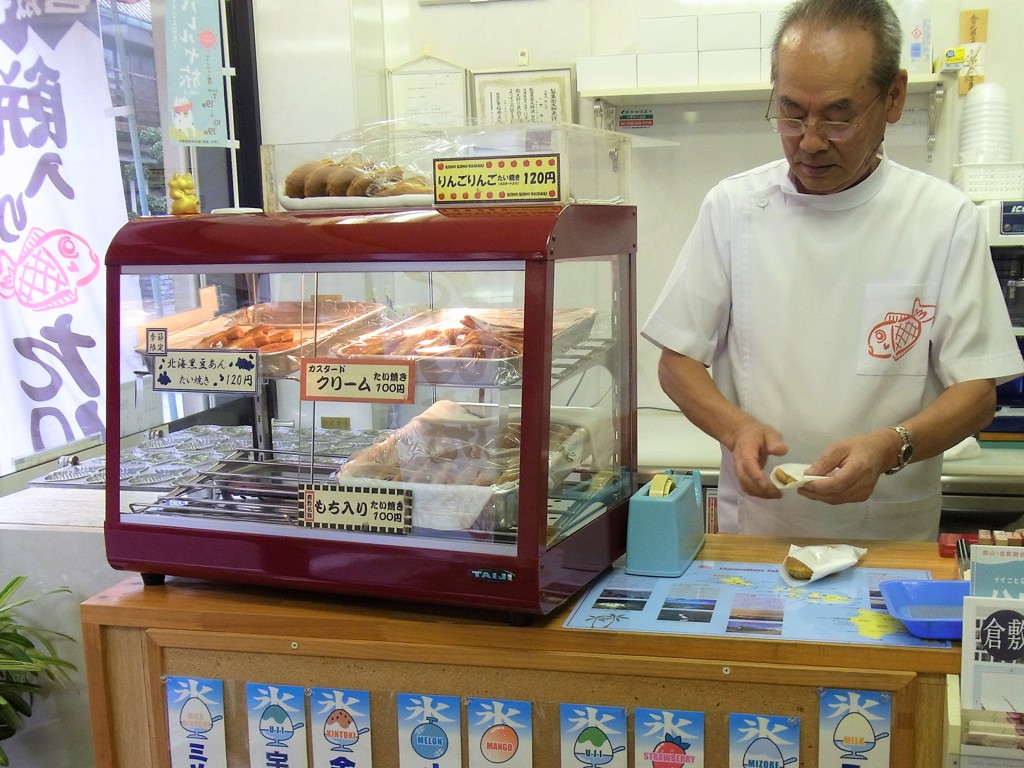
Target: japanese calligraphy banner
x,y
61,201
195,73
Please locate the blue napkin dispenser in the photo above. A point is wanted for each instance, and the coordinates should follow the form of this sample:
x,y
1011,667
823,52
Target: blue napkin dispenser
x,y
665,532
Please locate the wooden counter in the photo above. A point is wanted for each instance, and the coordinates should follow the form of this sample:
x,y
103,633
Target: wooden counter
x,y
134,635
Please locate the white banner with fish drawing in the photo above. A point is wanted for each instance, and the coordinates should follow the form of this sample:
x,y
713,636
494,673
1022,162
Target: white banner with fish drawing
x,y
61,201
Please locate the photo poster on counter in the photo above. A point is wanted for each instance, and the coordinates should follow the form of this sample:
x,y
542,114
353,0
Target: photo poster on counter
x,y
759,740
277,716
429,92
500,733
664,738
195,722
524,96
429,729
340,728
592,735
997,571
854,726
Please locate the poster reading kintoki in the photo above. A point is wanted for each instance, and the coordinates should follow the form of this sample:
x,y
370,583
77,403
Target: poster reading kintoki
x,y
277,716
667,738
500,733
593,736
429,731
195,722
340,728
854,725
760,740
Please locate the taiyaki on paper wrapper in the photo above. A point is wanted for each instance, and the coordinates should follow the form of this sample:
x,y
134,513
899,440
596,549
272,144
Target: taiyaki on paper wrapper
x,y
806,564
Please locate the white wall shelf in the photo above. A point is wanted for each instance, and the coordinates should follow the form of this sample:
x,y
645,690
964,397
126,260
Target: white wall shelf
x,y
648,97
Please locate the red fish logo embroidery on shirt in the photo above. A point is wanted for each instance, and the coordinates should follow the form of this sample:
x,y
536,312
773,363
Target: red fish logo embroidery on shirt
x,y
899,332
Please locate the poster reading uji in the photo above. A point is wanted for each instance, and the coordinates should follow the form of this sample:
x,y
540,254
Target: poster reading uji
x,y
60,203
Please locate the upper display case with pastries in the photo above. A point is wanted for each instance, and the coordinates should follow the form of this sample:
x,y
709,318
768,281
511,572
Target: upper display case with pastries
x,y
391,165
436,405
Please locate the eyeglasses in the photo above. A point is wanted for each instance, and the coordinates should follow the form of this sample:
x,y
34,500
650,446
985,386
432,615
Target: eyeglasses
x,y
830,130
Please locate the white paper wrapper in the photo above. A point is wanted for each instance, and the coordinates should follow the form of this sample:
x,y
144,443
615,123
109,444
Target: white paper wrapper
x,y
795,471
822,559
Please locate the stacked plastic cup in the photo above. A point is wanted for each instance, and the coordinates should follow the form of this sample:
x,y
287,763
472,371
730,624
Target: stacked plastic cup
x,y
985,125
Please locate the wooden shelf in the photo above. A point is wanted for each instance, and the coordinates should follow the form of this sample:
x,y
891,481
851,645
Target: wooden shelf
x,y
710,94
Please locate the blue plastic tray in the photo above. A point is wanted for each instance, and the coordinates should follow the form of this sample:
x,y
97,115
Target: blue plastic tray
x,y
932,609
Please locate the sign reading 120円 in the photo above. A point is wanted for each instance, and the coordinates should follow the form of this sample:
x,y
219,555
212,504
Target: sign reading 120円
x,y
357,380
513,179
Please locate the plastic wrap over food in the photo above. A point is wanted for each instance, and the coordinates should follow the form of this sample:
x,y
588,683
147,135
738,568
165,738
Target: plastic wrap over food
x,y
461,460
385,163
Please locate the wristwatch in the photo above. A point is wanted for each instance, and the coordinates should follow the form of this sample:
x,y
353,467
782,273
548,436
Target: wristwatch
x,y
906,450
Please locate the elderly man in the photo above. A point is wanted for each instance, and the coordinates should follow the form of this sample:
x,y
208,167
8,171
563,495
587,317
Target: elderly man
x,y
847,306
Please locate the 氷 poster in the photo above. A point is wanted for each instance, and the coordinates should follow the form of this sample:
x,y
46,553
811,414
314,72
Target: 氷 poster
x,y
277,715
756,741
593,736
854,725
195,722
340,729
668,738
500,733
429,731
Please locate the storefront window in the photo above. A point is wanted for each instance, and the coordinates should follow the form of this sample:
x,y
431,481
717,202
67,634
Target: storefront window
x,y
76,167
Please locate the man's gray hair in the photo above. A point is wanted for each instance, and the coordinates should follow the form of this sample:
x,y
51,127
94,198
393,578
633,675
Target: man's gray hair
x,y
876,16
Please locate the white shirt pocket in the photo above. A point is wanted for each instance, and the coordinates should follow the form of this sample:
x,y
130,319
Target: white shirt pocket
x,y
896,324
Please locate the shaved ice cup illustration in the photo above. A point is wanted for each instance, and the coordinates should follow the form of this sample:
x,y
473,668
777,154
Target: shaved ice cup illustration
x,y
593,747
854,735
196,718
429,740
277,726
764,751
341,731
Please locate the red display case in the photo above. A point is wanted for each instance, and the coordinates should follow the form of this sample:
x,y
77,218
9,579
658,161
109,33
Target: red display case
x,y
429,405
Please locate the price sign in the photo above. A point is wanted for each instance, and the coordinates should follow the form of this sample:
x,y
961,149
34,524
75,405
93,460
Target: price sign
x,y
514,179
233,371
357,380
357,508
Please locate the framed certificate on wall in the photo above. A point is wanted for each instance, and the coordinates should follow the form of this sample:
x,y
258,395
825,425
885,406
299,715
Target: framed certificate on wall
x,y
524,96
428,92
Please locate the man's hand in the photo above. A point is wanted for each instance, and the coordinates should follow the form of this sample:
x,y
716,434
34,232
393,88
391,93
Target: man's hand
x,y
753,443
853,466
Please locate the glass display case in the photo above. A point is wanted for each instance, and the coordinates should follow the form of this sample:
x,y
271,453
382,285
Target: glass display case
x,y
431,405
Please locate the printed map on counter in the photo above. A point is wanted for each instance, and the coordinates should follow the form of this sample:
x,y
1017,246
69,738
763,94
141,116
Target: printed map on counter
x,y
749,600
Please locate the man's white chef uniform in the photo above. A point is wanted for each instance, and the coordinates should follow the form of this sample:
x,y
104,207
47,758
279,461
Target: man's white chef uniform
x,y
831,315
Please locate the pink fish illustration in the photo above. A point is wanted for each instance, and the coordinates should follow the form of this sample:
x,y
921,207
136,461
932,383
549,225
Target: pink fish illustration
x,y
51,268
899,332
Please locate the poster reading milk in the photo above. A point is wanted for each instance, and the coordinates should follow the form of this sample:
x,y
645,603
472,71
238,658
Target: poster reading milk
x,y
195,722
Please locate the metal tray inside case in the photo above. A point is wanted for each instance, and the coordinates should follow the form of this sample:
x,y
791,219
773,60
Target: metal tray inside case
x,y
300,328
476,347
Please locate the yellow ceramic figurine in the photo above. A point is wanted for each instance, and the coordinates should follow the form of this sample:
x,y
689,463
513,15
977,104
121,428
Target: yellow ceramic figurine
x,y
182,190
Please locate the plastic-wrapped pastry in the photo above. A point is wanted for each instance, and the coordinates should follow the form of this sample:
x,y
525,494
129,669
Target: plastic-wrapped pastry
x,y
295,183
343,176
316,182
